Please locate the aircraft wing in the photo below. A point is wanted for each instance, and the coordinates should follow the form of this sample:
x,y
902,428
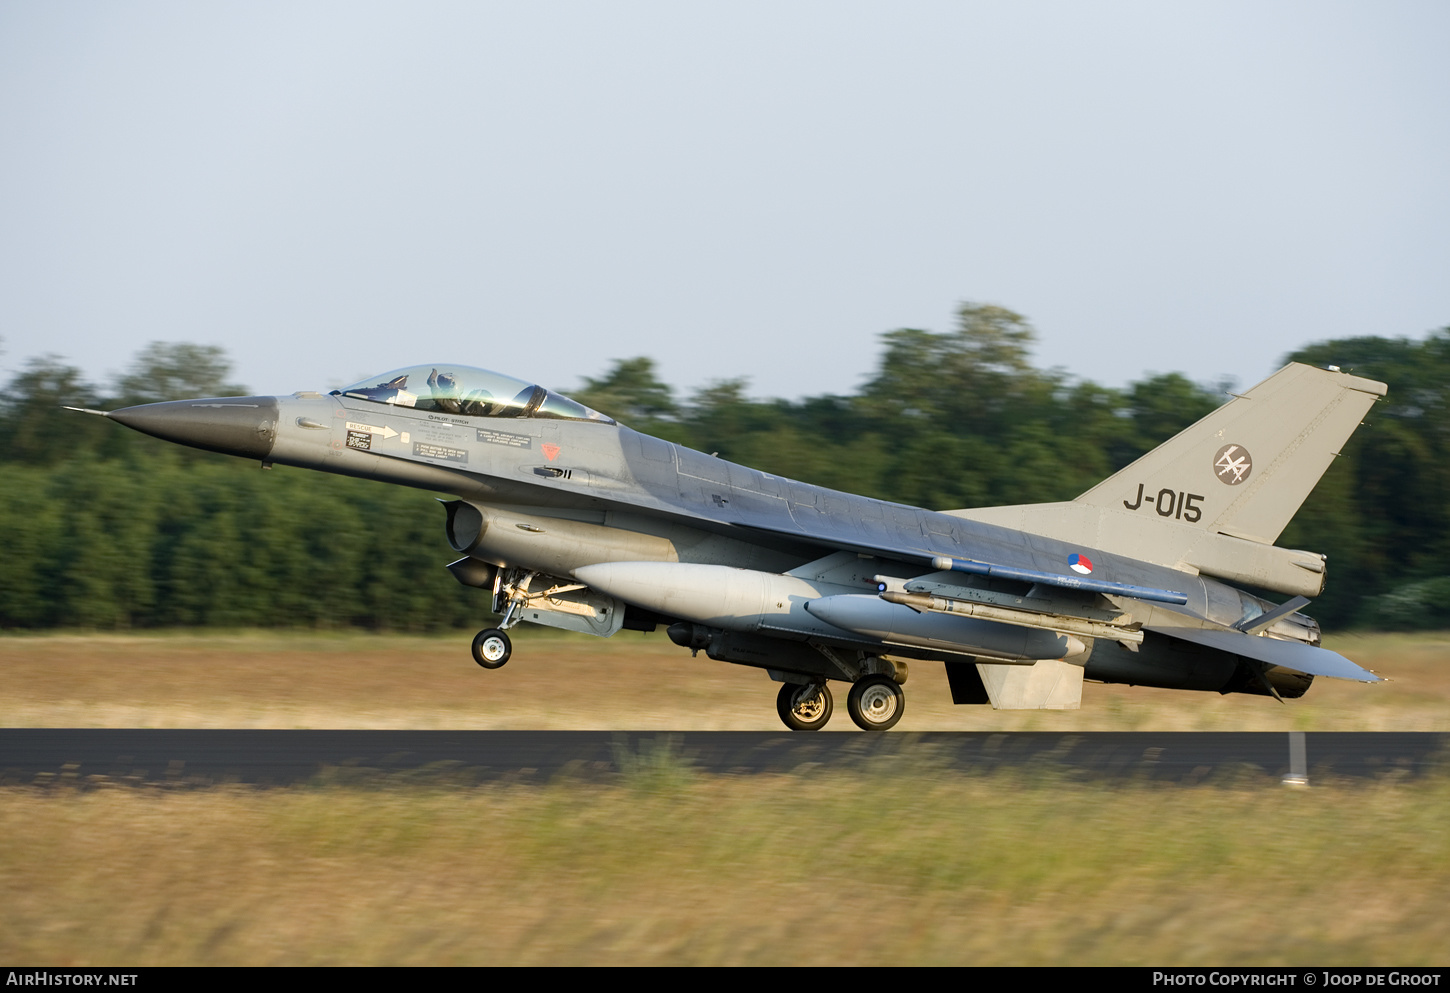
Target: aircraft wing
x,y
1295,655
1289,654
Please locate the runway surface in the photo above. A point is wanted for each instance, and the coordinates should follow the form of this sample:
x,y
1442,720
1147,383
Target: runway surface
x,y
185,758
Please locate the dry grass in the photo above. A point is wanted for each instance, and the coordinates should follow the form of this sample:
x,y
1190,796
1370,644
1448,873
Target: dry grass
x,y
921,867
629,682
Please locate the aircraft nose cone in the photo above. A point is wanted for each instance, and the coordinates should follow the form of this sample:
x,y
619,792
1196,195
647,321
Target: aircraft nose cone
x,y
245,426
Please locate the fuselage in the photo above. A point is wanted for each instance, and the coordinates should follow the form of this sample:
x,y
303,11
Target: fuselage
x,y
560,494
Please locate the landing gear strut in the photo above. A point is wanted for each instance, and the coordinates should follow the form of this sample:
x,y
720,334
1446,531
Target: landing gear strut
x,y
491,648
804,706
876,703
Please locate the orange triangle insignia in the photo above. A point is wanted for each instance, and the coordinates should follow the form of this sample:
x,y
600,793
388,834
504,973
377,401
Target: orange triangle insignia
x,y
551,452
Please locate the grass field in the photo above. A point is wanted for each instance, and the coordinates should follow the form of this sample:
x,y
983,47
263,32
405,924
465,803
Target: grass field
x,y
629,682
915,865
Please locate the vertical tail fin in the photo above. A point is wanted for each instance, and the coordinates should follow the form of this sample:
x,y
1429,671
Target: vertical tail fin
x,y
1245,469
1215,496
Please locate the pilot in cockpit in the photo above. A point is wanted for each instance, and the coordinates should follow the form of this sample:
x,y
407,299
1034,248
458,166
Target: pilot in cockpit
x,y
445,392
445,396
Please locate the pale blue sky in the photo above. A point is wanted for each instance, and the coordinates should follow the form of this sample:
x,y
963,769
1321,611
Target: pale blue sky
x,y
747,189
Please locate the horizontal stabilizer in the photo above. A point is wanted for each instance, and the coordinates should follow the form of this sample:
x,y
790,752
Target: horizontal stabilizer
x,y
1289,654
1056,579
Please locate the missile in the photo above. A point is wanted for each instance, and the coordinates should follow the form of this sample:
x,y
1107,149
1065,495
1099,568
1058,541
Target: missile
x,y
1131,634
898,624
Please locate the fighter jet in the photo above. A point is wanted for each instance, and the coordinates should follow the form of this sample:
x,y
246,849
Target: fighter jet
x,y
574,521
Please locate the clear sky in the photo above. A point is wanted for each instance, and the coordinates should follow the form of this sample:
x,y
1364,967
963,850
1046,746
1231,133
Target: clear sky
x,y
329,190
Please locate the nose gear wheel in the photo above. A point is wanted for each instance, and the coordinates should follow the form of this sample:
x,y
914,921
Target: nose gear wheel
x,y
491,648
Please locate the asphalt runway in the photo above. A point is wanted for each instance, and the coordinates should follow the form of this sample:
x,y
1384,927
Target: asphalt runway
x,y
186,758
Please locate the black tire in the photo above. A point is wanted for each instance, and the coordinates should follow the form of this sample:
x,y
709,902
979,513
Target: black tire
x,y
491,648
876,703
807,714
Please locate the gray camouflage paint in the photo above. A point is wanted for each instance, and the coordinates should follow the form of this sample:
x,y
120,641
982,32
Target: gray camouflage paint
x,y
608,477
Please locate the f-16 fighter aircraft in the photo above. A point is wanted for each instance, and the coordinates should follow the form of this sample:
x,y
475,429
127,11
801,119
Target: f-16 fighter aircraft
x,y
574,521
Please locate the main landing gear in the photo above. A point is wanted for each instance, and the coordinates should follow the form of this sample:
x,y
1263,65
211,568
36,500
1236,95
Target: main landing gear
x,y
875,703
804,706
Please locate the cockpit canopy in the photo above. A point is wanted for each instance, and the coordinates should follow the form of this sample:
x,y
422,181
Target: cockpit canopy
x,y
461,389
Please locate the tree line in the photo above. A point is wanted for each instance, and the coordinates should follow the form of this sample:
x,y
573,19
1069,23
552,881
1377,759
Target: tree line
x,y
106,528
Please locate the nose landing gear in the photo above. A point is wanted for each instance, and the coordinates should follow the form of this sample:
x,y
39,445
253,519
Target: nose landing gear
x,y
491,647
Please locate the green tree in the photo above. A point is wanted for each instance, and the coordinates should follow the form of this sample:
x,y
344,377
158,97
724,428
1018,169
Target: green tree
x,y
33,427
177,371
1382,512
107,528
972,380
1163,405
630,391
